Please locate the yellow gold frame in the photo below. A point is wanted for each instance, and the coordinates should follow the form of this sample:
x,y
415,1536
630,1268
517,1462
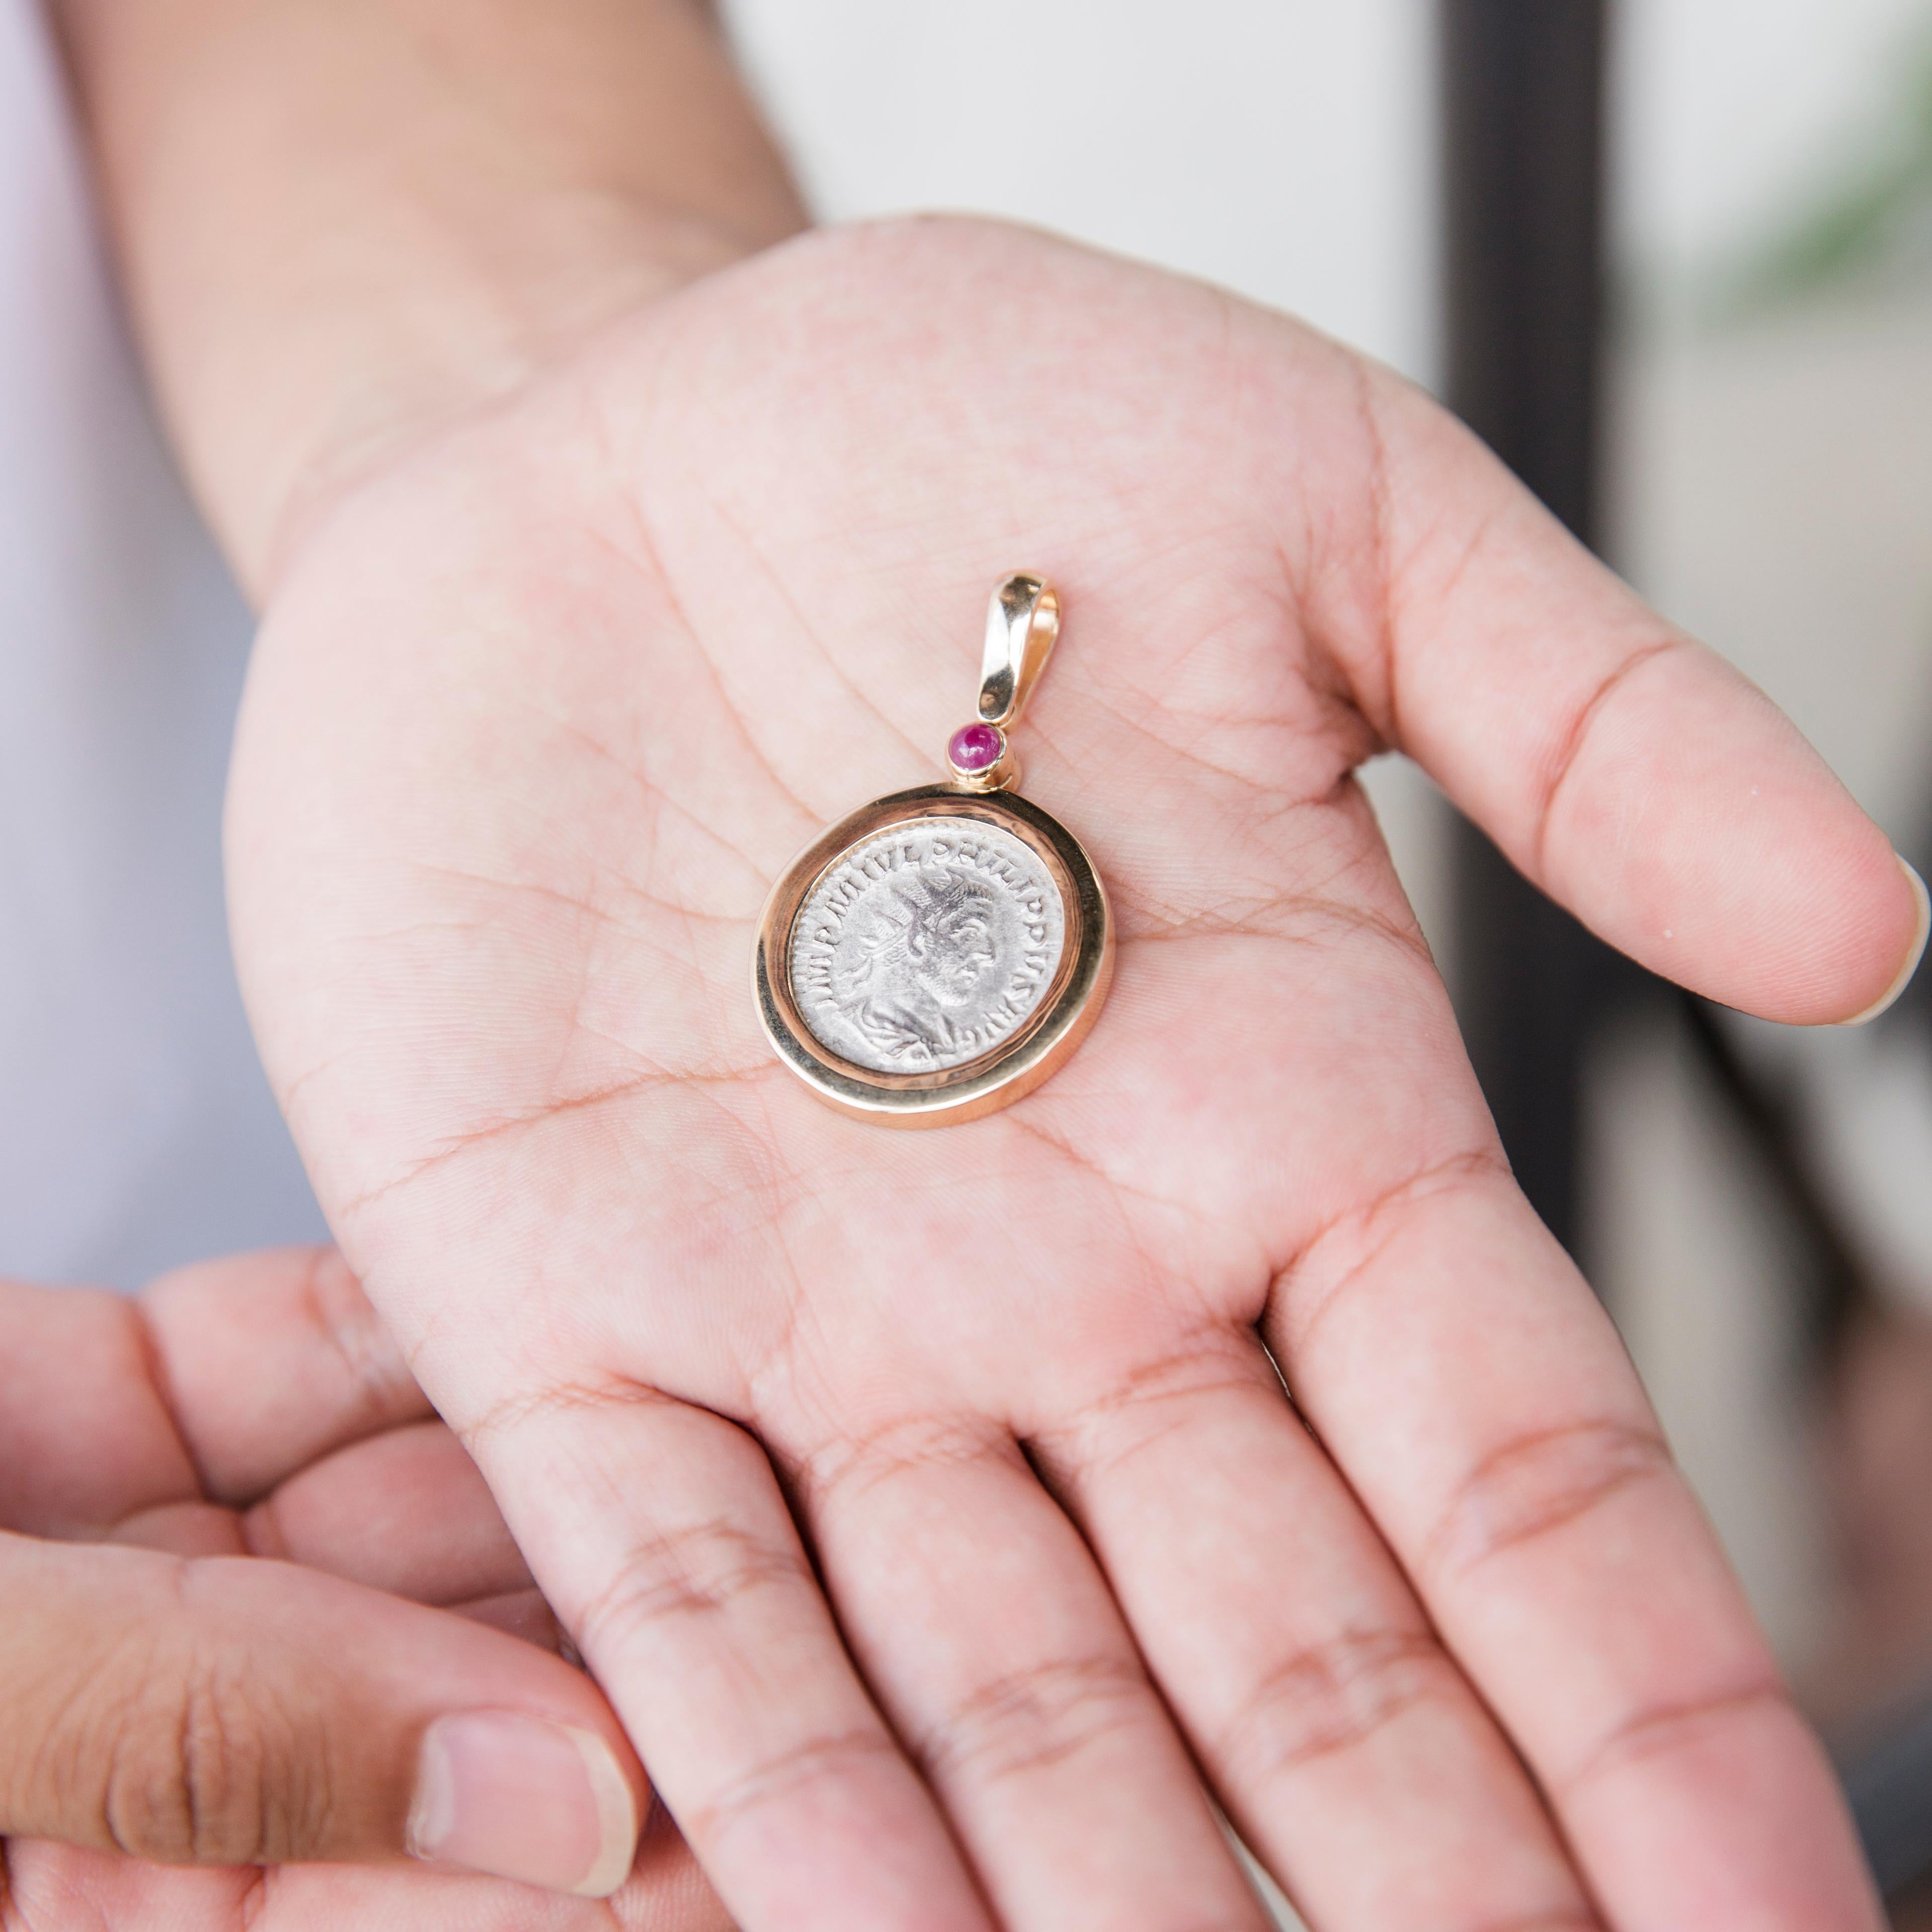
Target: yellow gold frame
x,y
1031,1054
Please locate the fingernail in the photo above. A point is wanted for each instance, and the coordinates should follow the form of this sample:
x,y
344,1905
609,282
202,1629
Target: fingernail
x,y
1912,958
520,1798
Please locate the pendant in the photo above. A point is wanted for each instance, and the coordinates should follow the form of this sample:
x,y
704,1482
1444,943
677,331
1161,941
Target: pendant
x,y
939,952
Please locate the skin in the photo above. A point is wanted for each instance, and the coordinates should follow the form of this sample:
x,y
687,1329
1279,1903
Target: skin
x,y
538,716
947,1515
193,1446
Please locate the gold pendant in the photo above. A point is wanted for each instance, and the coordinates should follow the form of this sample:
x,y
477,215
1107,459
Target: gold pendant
x,y
939,952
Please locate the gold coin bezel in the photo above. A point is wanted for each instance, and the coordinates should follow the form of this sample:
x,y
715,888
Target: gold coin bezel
x,y
1030,1054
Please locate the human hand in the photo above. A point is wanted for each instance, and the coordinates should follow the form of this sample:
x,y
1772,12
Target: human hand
x,y
233,1714
929,1505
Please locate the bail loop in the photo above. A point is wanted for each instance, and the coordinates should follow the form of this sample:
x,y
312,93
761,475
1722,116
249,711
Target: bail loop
x,y
1022,623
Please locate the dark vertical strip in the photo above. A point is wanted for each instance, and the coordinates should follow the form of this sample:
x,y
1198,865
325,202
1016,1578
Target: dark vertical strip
x,y
1523,121
1523,131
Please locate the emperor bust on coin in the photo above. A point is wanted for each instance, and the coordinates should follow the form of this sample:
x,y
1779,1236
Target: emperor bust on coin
x,y
939,952
927,945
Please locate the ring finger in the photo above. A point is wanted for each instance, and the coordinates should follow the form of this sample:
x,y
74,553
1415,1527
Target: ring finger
x,y
1347,1746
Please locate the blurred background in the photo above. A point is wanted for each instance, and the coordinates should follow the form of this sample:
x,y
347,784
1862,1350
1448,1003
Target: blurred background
x,y
1674,258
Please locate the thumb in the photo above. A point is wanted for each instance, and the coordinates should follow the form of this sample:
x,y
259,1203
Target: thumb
x,y
1631,773
228,1711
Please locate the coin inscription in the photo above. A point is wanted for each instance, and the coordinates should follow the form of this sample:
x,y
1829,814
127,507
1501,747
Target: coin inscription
x,y
927,945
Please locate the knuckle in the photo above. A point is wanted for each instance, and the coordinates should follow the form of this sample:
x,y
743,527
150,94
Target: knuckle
x,y
1343,1260
701,1569
1153,1405
1540,1483
1330,1697
1662,1729
202,1771
345,1322
843,1471
1032,1720
838,1756
1586,712
555,1403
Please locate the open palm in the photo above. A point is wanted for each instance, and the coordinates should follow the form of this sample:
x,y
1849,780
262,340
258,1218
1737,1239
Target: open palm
x,y
947,1515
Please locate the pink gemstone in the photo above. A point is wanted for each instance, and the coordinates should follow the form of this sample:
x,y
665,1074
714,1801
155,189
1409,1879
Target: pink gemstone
x,y
976,748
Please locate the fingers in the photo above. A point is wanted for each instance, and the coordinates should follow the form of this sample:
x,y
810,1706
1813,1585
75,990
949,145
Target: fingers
x,y
53,1888
85,1438
1480,1403
237,1372
270,1360
229,1712
977,1612
1629,772
278,1372
407,1511
666,1547
1348,1750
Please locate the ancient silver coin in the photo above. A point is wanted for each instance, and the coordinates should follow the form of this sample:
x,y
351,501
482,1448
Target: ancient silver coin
x,y
927,945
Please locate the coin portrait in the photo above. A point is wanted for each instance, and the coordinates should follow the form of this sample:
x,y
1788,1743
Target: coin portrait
x,y
934,956
926,946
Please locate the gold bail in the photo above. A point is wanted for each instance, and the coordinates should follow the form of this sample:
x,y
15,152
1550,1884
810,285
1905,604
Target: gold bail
x,y
1022,624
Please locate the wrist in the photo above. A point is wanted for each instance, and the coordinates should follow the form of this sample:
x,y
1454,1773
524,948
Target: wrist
x,y
340,225
376,379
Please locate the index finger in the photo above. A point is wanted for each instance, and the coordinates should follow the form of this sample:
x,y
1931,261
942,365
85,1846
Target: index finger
x,y
269,1360
1448,1355
219,1382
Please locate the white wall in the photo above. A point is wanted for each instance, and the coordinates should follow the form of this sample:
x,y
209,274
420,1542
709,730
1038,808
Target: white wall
x,y
1728,111
1282,147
